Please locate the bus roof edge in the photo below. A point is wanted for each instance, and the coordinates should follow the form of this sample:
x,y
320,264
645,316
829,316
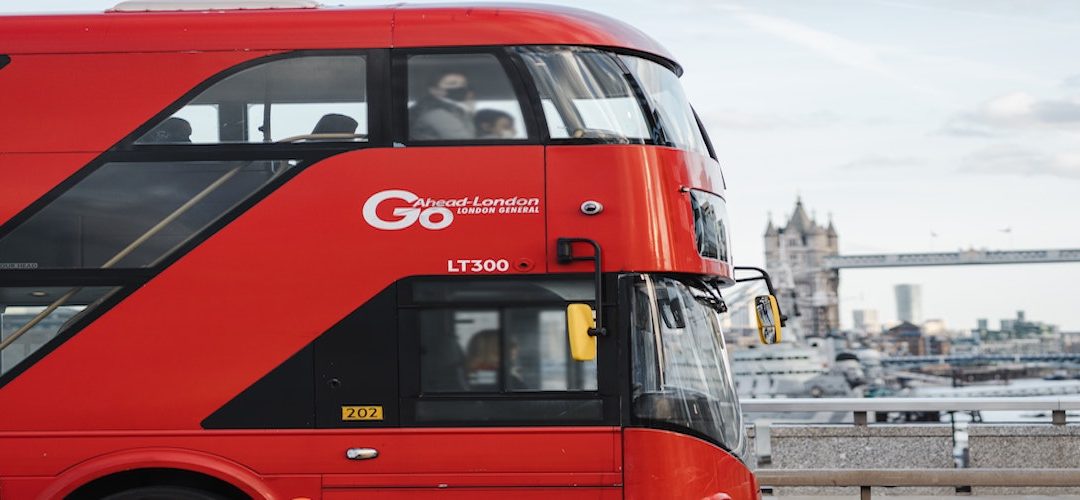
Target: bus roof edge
x,y
204,5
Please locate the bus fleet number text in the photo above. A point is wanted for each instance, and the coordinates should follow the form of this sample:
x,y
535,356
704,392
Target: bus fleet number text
x,y
477,266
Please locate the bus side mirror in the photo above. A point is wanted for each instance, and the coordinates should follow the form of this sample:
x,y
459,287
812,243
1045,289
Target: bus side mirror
x,y
768,319
580,326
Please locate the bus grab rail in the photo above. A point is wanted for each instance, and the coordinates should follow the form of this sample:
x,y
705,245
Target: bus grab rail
x,y
564,252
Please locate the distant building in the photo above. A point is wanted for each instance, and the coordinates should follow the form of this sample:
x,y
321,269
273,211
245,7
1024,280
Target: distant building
x,y
934,327
910,339
909,303
907,339
1016,328
1070,342
866,320
794,255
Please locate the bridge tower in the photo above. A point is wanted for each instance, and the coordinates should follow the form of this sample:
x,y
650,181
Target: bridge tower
x,y
794,254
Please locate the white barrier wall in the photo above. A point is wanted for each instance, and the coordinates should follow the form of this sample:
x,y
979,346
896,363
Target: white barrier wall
x,y
878,446
1024,446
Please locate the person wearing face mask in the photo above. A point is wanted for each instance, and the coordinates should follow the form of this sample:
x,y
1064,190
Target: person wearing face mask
x,y
495,124
446,112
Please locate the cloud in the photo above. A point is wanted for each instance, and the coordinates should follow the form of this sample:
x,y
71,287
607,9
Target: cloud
x,y
1072,81
1015,111
729,118
1017,160
743,120
962,128
841,50
883,162
1013,13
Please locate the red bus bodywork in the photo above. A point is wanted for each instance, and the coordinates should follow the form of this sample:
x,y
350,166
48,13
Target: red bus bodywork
x,y
131,389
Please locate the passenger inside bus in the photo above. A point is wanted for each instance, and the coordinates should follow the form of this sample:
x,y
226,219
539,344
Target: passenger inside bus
x,y
483,360
479,339
495,124
334,123
335,127
452,96
171,131
446,112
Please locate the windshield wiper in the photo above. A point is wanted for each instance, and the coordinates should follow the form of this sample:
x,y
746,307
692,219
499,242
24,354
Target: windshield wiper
x,y
711,298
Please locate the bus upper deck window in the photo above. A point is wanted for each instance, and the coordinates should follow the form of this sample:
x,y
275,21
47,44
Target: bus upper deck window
x,y
585,95
665,95
294,99
461,97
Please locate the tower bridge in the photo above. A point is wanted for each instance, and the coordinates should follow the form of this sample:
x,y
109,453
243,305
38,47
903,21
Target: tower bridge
x,y
961,258
803,256
970,359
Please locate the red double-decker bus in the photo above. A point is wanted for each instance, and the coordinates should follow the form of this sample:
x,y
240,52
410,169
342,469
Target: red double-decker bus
x,y
273,250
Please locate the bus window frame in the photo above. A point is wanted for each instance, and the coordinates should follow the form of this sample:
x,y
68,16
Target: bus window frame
x,y
705,137
127,151
656,127
653,114
537,103
124,282
626,289
375,60
610,392
399,92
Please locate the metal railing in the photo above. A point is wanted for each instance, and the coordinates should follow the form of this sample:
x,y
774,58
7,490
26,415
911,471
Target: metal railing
x,y
865,479
860,407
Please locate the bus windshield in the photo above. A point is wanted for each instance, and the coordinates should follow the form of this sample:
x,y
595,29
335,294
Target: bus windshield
x,y
681,377
585,94
672,108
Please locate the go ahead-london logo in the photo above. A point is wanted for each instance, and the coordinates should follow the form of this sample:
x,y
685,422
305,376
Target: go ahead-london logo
x,y
407,209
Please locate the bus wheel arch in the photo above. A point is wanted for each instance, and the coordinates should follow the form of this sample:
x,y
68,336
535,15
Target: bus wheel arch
x,y
118,471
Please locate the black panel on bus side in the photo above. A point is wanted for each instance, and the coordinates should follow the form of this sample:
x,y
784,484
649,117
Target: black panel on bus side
x,y
353,364
282,399
356,365
4,60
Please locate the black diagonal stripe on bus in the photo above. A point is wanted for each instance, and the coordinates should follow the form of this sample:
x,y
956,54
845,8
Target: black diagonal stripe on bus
x,y
129,280
354,362
368,358
284,398
4,61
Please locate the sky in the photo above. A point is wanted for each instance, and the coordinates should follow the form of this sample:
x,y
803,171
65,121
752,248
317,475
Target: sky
x,y
916,125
